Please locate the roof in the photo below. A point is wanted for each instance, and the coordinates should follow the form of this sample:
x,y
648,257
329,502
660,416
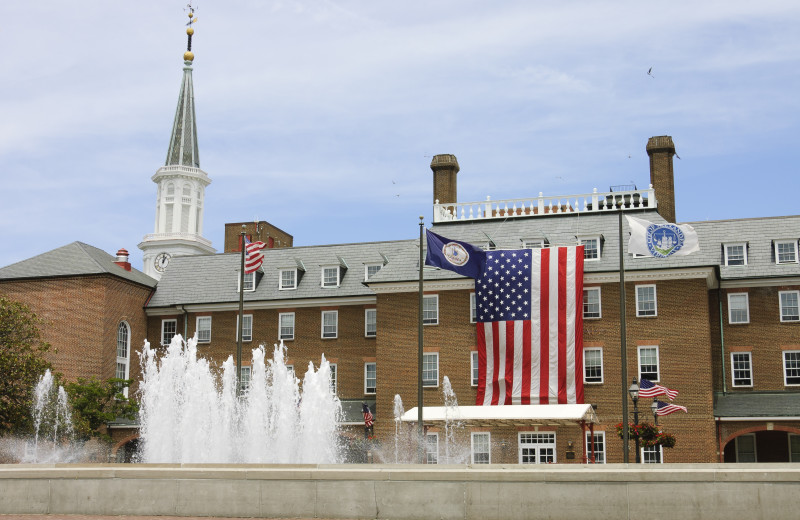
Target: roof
x,y
521,415
183,150
757,404
75,259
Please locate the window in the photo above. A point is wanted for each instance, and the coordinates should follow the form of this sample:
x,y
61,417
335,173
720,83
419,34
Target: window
x,y
249,282
432,448
533,243
794,447
287,279
371,323
646,300
738,308
247,328
592,365
330,276
371,269
168,330
599,447
204,329
648,363
473,365
330,324
286,325
430,369
591,303
244,379
333,378
789,307
370,378
430,309
786,252
537,448
591,247
473,308
742,368
481,448
746,448
735,254
123,353
791,367
652,454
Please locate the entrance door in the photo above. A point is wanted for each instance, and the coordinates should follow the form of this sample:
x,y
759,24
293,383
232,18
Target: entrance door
x,y
537,448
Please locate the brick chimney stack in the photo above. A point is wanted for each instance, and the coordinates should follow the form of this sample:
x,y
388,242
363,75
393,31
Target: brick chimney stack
x,y
661,149
122,259
445,167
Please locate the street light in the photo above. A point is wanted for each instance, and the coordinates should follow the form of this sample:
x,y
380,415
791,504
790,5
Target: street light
x,y
634,391
654,409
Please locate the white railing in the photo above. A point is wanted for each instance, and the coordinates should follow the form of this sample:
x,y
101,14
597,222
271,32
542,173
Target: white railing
x,y
177,236
180,169
594,202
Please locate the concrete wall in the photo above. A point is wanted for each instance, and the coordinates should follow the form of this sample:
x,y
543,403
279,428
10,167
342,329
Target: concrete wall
x,y
614,491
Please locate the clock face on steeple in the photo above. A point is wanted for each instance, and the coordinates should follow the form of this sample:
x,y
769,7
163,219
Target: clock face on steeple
x,y
161,262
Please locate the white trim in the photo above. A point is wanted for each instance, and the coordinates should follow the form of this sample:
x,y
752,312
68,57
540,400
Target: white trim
x,y
755,419
750,369
783,365
197,328
280,325
775,248
588,447
438,285
338,276
655,301
473,367
725,260
371,264
602,372
472,446
428,298
758,282
660,455
599,303
437,369
322,325
599,240
236,332
280,279
536,446
366,322
239,280
639,361
162,329
126,360
266,304
780,306
746,308
366,392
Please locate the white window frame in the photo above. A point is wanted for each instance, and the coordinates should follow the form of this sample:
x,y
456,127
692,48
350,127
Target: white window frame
x,y
203,319
749,368
639,311
288,337
334,377
602,372
367,313
599,303
755,447
533,243
488,444
124,361
245,337
244,382
432,455
582,241
537,446
639,361
660,450
474,370
367,389
328,285
174,321
249,282
726,248
379,265
427,298
786,368
335,324
778,243
281,286
473,308
428,355
794,318
587,445
737,295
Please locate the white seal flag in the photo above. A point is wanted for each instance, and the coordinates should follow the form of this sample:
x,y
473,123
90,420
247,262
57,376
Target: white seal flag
x,y
661,240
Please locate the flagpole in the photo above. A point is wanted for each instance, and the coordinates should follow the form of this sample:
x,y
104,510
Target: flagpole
x,y
420,438
241,317
623,344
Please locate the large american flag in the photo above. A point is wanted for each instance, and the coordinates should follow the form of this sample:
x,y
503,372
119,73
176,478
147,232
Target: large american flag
x,y
649,389
530,326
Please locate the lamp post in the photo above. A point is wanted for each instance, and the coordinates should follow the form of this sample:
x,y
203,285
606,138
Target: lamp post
x,y
634,391
654,409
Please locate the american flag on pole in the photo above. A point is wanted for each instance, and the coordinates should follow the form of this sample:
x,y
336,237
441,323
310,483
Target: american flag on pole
x,y
668,408
368,418
649,389
253,256
530,326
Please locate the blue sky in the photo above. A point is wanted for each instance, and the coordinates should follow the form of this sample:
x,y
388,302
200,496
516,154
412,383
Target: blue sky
x,y
321,117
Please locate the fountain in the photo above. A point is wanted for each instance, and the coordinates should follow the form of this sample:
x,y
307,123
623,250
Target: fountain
x,y
398,413
186,416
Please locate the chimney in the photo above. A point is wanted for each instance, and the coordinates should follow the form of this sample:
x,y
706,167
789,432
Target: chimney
x,y
445,167
122,259
661,149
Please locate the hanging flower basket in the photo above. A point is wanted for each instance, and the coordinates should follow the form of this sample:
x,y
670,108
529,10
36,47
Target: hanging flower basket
x,y
648,435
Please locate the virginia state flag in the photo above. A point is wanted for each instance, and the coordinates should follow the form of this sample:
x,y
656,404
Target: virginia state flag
x,y
454,255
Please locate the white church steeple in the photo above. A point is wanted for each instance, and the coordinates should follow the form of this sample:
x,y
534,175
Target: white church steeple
x,y
181,185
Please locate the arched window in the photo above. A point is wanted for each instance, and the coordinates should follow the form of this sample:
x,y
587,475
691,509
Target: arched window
x,y
123,352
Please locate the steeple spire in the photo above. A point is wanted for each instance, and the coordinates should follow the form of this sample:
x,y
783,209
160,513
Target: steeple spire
x,y
183,149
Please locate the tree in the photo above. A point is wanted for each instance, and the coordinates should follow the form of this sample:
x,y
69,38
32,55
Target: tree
x,y
22,363
95,403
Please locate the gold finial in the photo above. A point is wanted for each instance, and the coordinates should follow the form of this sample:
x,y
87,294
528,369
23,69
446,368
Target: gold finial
x,y
188,56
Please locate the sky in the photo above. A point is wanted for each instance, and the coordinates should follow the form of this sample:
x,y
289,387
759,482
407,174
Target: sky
x,y
321,116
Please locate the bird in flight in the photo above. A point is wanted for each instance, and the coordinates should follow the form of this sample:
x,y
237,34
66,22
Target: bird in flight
x,y
650,73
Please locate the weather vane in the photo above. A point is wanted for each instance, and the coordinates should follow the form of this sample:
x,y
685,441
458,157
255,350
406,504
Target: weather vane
x,y
188,55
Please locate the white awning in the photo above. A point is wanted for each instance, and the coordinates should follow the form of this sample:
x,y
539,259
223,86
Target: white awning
x,y
518,415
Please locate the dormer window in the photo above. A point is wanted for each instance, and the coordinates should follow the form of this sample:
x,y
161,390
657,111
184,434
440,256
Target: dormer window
x,y
330,276
591,247
735,254
370,270
533,243
786,251
287,279
249,282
